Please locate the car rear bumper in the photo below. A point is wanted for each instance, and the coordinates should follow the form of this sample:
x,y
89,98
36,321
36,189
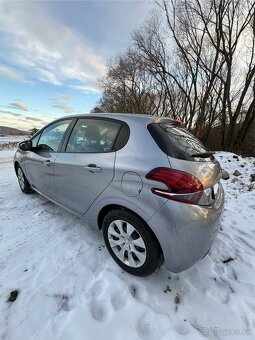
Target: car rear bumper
x,y
186,232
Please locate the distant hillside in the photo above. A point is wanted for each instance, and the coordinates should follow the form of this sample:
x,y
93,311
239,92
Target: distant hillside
x,y
6,130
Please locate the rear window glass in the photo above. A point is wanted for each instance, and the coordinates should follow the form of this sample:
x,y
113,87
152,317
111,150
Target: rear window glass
x,y
176,141
93,136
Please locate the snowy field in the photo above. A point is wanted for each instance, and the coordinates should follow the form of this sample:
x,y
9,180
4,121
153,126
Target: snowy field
x,y
11,139
70,289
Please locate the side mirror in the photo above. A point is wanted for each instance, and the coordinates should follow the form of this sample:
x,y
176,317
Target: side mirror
x,y
26,145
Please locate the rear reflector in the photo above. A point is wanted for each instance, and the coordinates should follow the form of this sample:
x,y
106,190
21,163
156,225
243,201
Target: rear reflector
x,y
182,186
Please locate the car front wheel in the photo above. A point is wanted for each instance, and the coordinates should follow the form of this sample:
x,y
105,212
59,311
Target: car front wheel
x,y
131,243
23,182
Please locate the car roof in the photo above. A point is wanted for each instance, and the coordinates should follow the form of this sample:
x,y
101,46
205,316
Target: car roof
x,y
126,117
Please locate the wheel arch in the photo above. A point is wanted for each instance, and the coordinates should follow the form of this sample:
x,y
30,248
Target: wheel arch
x,y
103,212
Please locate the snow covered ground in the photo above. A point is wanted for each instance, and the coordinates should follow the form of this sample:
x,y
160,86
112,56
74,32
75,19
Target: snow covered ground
x,y
70,289
11,139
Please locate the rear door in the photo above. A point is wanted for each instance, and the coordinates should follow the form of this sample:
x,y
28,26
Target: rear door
x,y
85,167
40,162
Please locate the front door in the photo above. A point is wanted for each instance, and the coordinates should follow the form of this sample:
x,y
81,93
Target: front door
x,y
40,162
86,167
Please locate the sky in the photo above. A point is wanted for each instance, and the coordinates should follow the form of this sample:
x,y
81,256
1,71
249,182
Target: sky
x,y
53,54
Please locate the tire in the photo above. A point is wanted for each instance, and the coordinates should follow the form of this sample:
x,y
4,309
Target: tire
x,y
131,243
23,182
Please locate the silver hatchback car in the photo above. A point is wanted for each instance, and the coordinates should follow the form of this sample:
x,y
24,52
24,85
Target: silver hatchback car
x,y
148,183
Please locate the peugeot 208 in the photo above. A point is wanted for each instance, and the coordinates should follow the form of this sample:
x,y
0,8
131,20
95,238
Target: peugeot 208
x,y
147,182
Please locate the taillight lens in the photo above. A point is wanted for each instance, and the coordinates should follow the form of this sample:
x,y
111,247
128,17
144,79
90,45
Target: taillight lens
x,y
182,186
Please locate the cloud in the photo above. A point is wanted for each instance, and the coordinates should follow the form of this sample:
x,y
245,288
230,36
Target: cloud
x,y
61,102
86,89
8,73
63,106
46,49
34,119
10,113
18,105
66,97
48,77
20,121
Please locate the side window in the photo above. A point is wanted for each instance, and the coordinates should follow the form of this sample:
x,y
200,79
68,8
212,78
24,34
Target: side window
x,y
35,140
52,136
93,135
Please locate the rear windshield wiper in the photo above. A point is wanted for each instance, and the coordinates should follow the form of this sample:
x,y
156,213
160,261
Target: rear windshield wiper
x,y
203,154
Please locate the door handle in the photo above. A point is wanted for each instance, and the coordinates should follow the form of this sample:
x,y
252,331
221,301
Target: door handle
x,y
93,168
47,163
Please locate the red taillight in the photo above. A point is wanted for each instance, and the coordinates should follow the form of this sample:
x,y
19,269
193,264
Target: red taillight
x,y
182,186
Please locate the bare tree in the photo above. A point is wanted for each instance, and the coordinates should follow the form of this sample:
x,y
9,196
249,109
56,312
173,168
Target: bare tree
x,y
128,87
193,60
216,41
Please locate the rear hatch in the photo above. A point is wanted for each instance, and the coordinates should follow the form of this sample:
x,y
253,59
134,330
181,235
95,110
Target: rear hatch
x,y
186,153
